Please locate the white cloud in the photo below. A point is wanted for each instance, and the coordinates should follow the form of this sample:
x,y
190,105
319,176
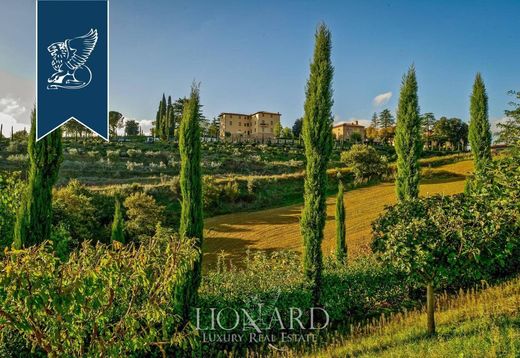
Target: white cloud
x,y
146,125
11,107
381,99
7,121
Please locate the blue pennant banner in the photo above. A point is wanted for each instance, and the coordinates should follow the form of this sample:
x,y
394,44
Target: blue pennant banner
x,y
72,65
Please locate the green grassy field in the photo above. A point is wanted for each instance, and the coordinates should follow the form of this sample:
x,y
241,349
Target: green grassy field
x,y
473,324
278,228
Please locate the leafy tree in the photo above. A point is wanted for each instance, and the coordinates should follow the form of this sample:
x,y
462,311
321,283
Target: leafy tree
x,y
374,123
34,219
118,224
408,139
317,137
428,122
371,134
277,130
143,214
115,121
191,221
214,128
386,122
453,131
365,162
355,137
287,132
479,129
341,245
131,128
509,132
75,128
73,210
422,238
297,127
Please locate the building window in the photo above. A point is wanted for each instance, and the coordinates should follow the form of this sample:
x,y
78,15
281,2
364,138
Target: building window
x,y
240,124
271,122
230,123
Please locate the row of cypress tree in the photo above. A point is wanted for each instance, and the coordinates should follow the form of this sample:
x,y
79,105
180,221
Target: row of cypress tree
x,y
34,219
317,136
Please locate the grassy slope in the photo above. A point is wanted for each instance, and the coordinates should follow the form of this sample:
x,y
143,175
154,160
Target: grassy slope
x,y
278,228
482,324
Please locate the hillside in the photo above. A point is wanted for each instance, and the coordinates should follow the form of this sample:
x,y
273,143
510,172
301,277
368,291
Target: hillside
x,y
473,324
278,228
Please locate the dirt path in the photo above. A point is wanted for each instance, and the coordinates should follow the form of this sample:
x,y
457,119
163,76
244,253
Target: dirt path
x,y
276,229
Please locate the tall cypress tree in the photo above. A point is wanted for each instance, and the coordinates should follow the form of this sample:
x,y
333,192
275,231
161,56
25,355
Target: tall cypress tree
x,y
191,221
341,245
317,137
34,219
479,129
118,224
408,143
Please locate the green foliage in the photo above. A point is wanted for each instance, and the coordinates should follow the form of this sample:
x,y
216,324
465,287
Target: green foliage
x,y
351,294
118,225
191,221
143,214
131,128
341,245
11,193
105,300
73,209
408,142
115,120
317,137
355,137
439,240
365,162
34,219
453,131
479,128
509,132
297,127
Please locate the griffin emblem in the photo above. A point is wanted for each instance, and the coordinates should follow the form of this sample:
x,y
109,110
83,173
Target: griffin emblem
x,y
68,60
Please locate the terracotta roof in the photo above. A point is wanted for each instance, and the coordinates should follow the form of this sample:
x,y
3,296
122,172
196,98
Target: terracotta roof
x,y
348,125
248,115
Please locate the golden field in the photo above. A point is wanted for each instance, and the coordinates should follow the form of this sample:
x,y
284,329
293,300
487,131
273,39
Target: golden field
x,y
278,229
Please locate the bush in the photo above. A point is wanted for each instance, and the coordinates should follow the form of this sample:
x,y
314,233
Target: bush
x,y
105,300
366,163
11,192
73,210
143,214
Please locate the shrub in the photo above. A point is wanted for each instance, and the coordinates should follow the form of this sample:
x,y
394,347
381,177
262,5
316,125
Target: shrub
x,y
105,300
366,162
73,209
18,157
143,214
11,191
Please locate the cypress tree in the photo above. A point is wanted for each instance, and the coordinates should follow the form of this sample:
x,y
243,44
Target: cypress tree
x,y
191,221
118,224
341,245
479,129
317,137
408,143
34,219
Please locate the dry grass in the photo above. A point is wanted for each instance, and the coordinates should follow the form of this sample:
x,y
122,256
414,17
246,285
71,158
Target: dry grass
x,y
472,324
278,228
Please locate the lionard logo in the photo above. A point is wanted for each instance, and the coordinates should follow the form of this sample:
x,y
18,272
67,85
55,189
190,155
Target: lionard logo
x,y
69,60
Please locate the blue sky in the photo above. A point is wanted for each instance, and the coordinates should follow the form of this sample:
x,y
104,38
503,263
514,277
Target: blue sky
x,y
254,55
